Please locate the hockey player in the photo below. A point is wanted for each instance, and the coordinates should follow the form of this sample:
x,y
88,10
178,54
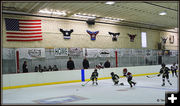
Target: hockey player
x,y
99,66
115,78
94,76
129,77
165,74
174,68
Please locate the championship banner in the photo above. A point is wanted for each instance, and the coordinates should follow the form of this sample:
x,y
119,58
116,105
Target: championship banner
x,y
8,53
90,52
31,53
75,51
104,52
61,51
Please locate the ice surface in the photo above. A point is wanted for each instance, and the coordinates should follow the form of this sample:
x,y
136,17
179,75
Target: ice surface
x,y
147,91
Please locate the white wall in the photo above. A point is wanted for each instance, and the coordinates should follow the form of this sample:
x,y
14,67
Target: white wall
x,y
57,76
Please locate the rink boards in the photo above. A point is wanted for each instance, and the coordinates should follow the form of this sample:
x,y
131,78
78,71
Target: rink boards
x,y
12,81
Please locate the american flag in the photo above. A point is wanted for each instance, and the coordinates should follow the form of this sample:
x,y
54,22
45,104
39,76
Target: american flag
x,y
23,30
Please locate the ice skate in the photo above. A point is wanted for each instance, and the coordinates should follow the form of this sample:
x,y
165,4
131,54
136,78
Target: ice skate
x,y
163,84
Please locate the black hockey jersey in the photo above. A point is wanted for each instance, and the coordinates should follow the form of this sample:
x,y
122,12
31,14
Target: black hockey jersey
x,y
132,37
115,35
67,34
94,75
115,77
164,71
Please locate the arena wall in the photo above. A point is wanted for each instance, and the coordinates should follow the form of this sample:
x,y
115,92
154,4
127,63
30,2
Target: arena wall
x,y
53,38
12,81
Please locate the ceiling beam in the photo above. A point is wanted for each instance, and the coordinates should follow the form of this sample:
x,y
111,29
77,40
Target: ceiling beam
x,y
29,10
161,6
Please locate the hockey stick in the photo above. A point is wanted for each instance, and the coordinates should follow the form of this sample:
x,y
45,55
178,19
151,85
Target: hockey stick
x,y
86,83
151,76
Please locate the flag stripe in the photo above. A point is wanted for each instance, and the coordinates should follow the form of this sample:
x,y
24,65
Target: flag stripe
x,y
29,20
24,40
23,30
31,30
29,23
23,36
23,33
29,26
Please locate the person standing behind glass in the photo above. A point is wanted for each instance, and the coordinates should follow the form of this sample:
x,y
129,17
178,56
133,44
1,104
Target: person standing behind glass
x,y
70,64
85,63
25,69
107,64
40,68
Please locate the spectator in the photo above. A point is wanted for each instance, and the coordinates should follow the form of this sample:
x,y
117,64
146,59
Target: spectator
x,y
85,63
107,64
50,68
55,68
70,64
25,69
36,69
40,68
45,69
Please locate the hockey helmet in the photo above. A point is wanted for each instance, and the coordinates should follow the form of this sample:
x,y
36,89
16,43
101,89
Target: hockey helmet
x,y
124,70
95,70
112,73
163,65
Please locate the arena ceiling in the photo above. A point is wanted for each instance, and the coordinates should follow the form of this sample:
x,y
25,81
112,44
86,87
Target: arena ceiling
x,y
143,14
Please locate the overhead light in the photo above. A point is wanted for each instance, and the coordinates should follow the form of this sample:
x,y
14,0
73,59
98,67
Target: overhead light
x,y
53,12
84,15
112,19
110,2
162,13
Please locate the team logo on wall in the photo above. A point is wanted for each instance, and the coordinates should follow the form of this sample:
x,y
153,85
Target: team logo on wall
x,y
75,51
114,36
92,34
164,40
31,53
171,39
131,36
66,33
34,52
61,51
104,53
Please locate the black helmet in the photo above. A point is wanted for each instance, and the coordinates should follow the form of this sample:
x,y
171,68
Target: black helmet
x,y
95,70
163,65
112,73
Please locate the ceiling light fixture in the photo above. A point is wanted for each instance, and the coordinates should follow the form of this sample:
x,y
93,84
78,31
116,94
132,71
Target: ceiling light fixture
x,y
85,16
162,13
110,2
53,12
112,19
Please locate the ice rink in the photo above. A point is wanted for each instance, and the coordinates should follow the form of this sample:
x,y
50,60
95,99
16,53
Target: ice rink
x,y
146,91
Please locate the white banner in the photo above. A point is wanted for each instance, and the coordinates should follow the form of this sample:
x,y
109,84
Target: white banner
x,y
31,53
61,51
75,51
104,52
90,53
